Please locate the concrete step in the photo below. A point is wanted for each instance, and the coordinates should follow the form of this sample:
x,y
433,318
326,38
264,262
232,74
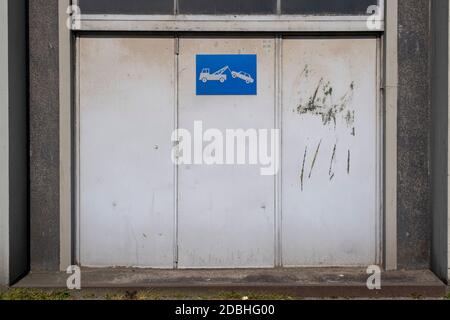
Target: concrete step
x,y
295,282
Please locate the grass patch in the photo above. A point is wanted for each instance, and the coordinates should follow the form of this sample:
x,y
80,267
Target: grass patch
x,y
416,296
153,295
249,296
156,295
115,296
89,296
33,294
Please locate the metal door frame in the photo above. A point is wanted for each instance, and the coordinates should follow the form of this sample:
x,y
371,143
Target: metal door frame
x,y
388,140
278,124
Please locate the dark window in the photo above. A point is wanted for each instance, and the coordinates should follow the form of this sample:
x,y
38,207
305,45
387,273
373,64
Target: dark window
x,y
227,6
334,7
126,6
312,7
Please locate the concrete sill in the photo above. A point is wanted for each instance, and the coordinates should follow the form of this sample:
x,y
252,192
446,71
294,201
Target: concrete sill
x,y
296,282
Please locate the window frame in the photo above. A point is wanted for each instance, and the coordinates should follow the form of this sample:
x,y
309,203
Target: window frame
x,y
227,23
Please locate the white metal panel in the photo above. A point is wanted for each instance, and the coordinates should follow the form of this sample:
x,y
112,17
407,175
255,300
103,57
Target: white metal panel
x,y
4,146
126,103
226,212
330,202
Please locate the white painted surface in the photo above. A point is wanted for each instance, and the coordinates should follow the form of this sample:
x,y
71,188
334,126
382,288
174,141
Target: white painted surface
x,y
333,221
126,176
4,146
226,213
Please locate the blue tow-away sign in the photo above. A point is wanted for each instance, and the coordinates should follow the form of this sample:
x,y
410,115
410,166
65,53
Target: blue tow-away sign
x,y
226,74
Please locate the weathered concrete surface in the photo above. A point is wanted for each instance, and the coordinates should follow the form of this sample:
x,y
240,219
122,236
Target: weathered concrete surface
x,y
414,216
44,134
300,282
439,137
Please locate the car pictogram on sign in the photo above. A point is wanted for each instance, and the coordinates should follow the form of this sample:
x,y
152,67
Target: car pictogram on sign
x,y
243,76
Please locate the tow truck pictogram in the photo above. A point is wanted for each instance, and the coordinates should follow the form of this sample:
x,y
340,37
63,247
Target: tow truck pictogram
x,y
219,75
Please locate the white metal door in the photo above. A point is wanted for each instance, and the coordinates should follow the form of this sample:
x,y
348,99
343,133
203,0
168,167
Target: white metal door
x,y
226,212
330,186
136,210
126,184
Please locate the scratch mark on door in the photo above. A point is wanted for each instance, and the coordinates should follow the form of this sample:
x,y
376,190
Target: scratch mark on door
x,y
321,104
333,157
348,162
305,72
303,167
315,158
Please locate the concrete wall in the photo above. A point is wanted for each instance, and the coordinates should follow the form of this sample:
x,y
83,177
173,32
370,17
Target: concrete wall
x,y
439,134
414,120
44,133
448,151
13,142
413,207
